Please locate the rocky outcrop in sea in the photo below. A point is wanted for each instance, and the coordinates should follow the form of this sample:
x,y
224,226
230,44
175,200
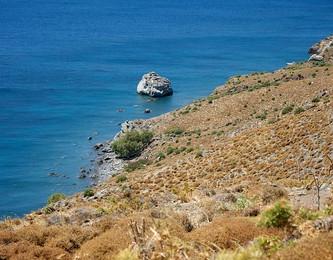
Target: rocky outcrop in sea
x,y
154,85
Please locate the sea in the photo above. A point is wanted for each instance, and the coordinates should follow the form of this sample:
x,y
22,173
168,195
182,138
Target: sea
x,y
69,71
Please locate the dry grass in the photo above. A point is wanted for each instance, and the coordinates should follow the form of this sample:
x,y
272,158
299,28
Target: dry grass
x,y
230,233
309,249
237,142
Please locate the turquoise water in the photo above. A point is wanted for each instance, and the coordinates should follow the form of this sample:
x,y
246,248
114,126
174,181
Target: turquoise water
x,y
66,67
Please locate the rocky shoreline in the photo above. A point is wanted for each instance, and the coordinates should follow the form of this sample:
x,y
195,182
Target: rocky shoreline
x,y
107,164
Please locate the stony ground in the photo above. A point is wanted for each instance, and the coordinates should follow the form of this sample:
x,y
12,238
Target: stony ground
x,y
199,188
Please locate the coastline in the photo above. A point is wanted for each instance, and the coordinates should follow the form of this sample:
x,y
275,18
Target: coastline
x,y
106,163
228,166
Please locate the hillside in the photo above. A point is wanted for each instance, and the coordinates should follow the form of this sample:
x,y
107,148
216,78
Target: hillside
x,y
203,186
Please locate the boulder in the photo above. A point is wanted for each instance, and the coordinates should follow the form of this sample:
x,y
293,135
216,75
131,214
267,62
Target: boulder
x,y
316,57
154,85
325,224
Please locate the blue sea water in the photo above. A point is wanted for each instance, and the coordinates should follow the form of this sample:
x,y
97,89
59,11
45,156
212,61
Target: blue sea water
x,y
66,67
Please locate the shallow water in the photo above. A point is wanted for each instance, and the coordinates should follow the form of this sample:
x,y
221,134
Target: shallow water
x,y
67,66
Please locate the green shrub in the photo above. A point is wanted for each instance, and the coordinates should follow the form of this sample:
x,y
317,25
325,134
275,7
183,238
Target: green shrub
x,y
287,109
328,211
242,203
160,156
199,153
299,110
127,254
308,214
131,144
189,149
55,197
137,165
48,210
121,178
262,116
259,86
197,132
219,133
277,216
316,100
268,245
249,253
320,63
186,111
170,150
182,149
211,98
88,193
174,131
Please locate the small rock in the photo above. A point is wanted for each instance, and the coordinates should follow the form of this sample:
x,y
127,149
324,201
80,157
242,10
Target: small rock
x,y
158,214
56,219
251,212
98,146
90,138
54,174
82,175
323,93
187,224
147,111
325,224
82,215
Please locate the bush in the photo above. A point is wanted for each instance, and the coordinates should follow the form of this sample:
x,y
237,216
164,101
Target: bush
x,y
248,253
170,150
182,149
88,193
308,214
268,245
55,197
262,116
278,216
48,210
299,110
316,100
271,194
127,254
199,153
121,178
137,165
160,156
211,98
260,248
242,203
131,144
328,211
287,109
174,131
189,149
